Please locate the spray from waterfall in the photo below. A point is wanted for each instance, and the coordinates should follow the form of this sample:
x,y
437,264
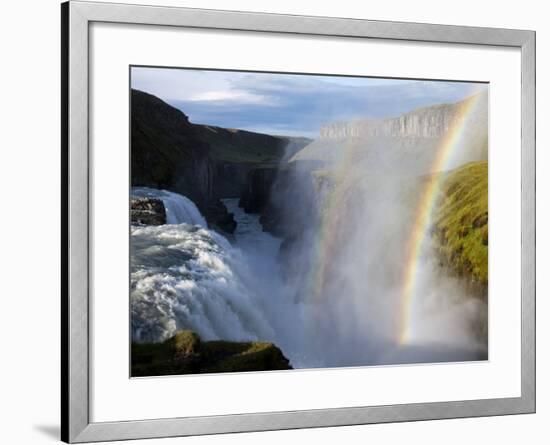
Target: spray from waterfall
x,y
342,285
366,280
426,203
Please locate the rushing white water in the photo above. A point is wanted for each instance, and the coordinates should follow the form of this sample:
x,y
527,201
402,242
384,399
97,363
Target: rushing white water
x,y
179,209
274,296
186,276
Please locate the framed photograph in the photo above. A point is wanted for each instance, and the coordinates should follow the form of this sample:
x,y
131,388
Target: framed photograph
x,y
276,222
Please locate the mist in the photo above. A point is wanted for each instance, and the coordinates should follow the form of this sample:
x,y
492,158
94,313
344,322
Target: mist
x,y
320,271
347,219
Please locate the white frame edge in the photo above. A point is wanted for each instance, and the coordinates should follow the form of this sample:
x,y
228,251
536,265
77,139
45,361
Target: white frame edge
x,y
76,18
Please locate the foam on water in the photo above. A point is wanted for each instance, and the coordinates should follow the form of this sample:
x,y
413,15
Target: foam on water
x,y
186,276
179,209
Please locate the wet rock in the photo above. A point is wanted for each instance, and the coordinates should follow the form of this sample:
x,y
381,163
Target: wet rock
x,y
148,211
219,218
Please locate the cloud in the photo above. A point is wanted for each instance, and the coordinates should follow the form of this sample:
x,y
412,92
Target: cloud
x,y
235,96
290,103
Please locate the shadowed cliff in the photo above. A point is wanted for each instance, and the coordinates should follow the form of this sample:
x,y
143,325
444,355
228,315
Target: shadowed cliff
x,y
201,162
167,152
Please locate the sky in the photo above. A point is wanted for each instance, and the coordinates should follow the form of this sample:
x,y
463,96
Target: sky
x,y
290,104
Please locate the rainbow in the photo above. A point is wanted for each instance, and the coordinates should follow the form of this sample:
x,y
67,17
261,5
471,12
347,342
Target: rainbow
x,y
424,210
326,241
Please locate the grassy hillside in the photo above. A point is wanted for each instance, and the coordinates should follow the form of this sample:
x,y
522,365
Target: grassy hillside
x,y
166,151
461,221
185,353
203,163
460,227
231,145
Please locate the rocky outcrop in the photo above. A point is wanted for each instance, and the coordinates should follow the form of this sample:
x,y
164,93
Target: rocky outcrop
x,y
186,353
219,218
148,211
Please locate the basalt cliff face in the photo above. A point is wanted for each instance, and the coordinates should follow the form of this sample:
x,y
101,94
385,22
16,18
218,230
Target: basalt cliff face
x,y
240,156
416,135
429,122
204,163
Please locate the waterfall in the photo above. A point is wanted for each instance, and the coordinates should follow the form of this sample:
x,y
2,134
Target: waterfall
x,y
186,276
179,209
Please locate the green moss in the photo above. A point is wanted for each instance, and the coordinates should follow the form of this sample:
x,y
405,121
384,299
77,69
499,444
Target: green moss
x,y
185,343
185,353
222,356
461,218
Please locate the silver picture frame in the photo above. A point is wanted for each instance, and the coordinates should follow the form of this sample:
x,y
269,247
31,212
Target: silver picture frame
x,y
75,394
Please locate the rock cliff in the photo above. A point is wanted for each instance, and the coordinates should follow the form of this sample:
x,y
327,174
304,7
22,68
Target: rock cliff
x,y
204,163
412,138
257,189
236,153
426,122
166,151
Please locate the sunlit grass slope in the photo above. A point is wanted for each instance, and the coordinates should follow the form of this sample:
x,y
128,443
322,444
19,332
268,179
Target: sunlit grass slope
x,y
461,229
